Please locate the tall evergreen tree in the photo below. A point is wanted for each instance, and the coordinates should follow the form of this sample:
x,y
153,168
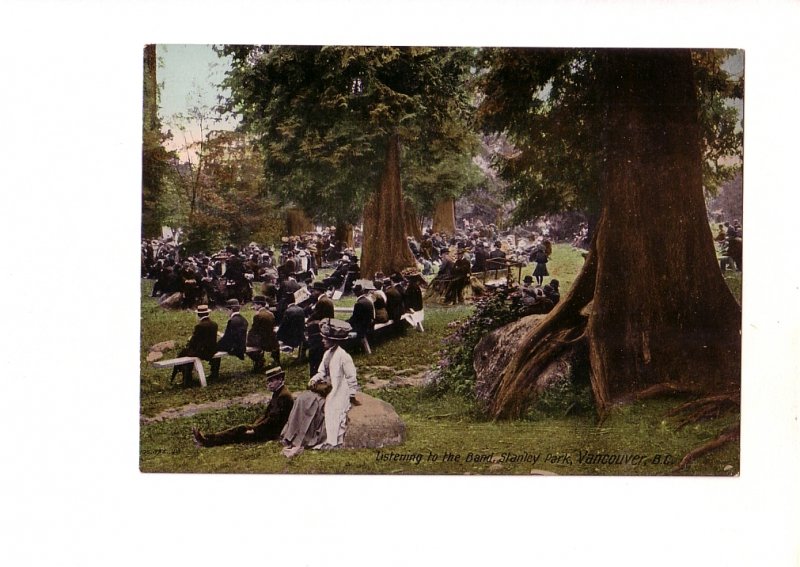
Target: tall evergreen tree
x,y
330,118
650,310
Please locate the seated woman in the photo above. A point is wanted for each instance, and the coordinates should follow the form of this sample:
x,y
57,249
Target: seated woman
x,y
319,415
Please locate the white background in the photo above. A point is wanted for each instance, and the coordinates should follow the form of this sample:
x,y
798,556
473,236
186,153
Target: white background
x,y
70,180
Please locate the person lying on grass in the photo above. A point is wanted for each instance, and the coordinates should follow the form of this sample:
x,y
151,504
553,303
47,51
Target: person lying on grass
x,y
266,428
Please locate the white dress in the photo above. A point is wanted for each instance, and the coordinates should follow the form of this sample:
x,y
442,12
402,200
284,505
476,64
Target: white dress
x,y
342,376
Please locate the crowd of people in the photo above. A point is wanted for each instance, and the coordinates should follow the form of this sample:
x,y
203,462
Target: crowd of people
x,y
293,308
233,273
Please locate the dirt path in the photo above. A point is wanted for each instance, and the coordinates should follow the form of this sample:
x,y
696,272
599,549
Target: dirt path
x,y
254,399
373,378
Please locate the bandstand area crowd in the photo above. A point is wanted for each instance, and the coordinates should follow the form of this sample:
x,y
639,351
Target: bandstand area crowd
x,y
294,287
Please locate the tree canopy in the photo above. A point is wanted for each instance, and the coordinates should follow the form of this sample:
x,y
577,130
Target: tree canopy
x,y
324,117
547,102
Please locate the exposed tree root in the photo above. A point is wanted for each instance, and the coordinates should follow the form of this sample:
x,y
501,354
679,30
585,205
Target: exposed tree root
x,y
563,329
665,388
705,408
727,436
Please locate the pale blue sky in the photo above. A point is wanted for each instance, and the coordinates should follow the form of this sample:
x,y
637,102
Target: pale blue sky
x,y
185,70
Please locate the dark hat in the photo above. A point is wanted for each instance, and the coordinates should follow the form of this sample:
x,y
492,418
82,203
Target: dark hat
x,y
554,283
319,286
259,300
335,329
527,279
231,303
397,278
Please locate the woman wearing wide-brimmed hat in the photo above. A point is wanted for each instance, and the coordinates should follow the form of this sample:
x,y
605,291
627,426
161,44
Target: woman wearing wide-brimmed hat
x,y
319,415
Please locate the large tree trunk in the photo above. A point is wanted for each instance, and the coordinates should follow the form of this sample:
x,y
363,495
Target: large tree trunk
x,y
412,222
444,216
650,302
385,248
344,233
297,222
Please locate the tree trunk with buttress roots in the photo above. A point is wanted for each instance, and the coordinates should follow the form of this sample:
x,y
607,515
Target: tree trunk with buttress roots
x,y
412,222
444,216
650,303
385,248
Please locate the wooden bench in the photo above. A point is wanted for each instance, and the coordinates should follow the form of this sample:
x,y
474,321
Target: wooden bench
x,y
197,362
414,319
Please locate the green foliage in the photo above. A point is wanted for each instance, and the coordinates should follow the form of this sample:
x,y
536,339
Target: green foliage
x,y
549,105
562,398
323,116
456,372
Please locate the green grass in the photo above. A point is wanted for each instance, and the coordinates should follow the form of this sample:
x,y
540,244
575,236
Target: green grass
x,y
435,425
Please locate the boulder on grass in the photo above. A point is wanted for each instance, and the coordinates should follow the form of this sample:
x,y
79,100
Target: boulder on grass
x,y
162,346
494,351
155,355
373,424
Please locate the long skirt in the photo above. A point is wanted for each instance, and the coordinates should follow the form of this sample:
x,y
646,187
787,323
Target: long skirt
x,y
306,424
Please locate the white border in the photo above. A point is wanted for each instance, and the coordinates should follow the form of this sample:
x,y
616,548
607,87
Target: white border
x,y
72,494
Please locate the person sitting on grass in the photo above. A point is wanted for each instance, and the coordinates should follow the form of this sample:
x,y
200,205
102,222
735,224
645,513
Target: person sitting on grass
x,y
319,416
266,428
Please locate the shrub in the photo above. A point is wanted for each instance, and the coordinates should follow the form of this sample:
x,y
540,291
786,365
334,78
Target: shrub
x,y
455,370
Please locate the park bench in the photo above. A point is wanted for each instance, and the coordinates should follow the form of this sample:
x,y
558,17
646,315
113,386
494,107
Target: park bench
x,y
197,362
414,319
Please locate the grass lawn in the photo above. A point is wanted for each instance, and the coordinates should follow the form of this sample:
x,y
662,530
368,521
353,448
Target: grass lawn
x,y
444,435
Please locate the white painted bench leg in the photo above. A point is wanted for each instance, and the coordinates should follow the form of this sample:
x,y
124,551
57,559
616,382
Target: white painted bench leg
x,y
365,344
198,366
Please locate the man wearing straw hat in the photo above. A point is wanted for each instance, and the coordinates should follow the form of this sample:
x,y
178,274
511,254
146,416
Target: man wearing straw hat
x,y
203,344
266,428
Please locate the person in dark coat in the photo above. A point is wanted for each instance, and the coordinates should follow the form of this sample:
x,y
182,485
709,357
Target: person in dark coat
x,y
203,344
459,279
394,298
323,307
413,297
292,326
262,335
266,428
479,262
363,318
497,253
540,257
551,291
234,341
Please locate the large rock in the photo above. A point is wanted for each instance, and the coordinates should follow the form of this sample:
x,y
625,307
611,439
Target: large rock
x,y
495,350
373,424
155,355
162,346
